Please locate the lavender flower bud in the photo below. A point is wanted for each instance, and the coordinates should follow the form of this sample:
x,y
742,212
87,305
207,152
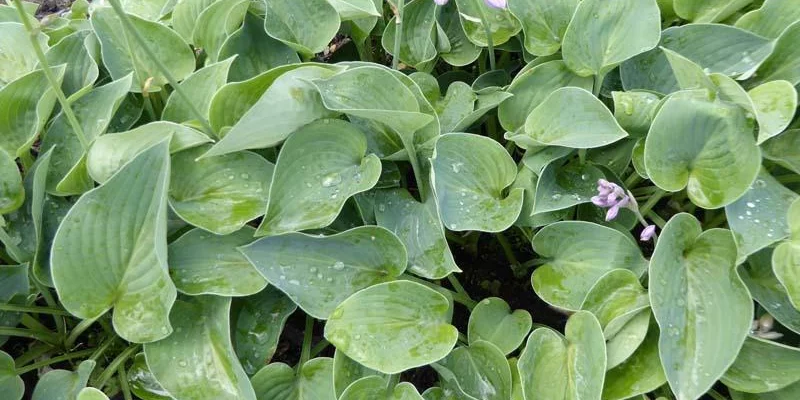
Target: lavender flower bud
x,y
647,233
441,2
495,3
612,212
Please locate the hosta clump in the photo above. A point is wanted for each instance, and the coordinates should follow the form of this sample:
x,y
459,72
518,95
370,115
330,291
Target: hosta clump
x,y
366,199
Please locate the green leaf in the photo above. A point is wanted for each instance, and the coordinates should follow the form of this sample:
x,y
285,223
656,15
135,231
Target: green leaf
x,y
68,171
771,19
781,149
689,75
185,15
615,299
758,218
33,101
122,56
142,382
313,381
77,51
255,51
420,229
14,289
10,383
356,9
699,11
376,387
126,268
197,361
201,263
775,104
702,307
151,10
200,87
601,35
639,374
370,335
258,324
560,187
346,371
417,47
579,254
543,23
527,180
708,141
470,185
565,367
492,321
625,343
19,58
219,194
288,104
767,290
61,384
291,23
569,117
635,111
788,393
91,393
502,25
786,258
479,371
218,21
462,52
12,192
318,273
763,366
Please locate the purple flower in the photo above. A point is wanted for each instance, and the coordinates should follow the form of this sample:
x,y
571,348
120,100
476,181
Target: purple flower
x,y
611,196
495,3
648,233
441,2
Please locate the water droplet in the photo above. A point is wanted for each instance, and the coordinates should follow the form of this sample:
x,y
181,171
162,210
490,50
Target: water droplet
x,y
338,265
741,217
372,238
556,196
331,179
456,166
231,177
751,204
182,363
294,282
245,176
313,269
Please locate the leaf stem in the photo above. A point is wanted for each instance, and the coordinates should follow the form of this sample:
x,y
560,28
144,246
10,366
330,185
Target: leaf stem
x,y
77,331
507,249
414,160
51,302
489,41
33,309
48,338
460,289
128,26
598,84
308,337
398,33
36,351
54,360
123,383
33,34
715,395
114,364
657,219
319,347
653,200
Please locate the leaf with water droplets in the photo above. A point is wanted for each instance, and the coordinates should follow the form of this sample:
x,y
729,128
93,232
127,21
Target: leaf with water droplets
x,y
579,254
346,371
126,268
376,387
479,371
257,326
763,366
775,103
639,374
142,382
493,321
61,384
318,169
702,307
393,326
318,273
197,361
565,367
469,186
288,21
313,381
502,25
561,187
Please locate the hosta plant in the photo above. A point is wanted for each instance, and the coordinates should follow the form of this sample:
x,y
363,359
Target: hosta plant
x,y
425,199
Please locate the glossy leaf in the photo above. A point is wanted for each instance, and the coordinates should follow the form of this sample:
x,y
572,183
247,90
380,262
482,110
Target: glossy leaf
x,y
278,381
479,371
781,149
346,372
702,307
142,382
32,96
127,268
560,187
462,51
375,387
502,24
787,393
763,366
287,22
615,299
493,321
544,23
580,253
257,326
370,335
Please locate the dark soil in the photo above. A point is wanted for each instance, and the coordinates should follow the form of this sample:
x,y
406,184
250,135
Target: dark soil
x,y
51,6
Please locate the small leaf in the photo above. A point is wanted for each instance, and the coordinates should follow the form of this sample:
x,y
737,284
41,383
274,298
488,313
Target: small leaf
x,y
615,299
479,371
775,104
126,268
771,19
152,10
258,324
217,22
346,371
462,52
278,381
470,185
763,366
615,32
91,393
12,193
289,23
788,393
543,23
786,258
502,25
11,384
417,48
200,87
492,321
702,307
561,187
635,111
639,374
375,387
356,9
370,335
60,384
318,273
185,14
580,253
33,101
318,169
255,51
197,361
699,11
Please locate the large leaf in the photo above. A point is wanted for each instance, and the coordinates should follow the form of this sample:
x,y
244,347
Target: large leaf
x,y
198,361
420,229
200,88
16,52
639,374
579,254
126,268
33,101
318,273
289,22
408,330
470,185
59,384
493,321
257,327
569,117
565,367
479,371
202,263
699,11
601,35
318,169
289,103
712,151
771,19
702,307
544,23
10,383
763,366
255,51
217,22
219,194
502,24
313,381
123,55
12,192
417,47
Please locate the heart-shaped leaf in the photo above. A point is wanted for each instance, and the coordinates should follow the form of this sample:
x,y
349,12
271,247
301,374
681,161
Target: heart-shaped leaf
x,y
702,307
127,267
318,273
10,383
775,103
313,381
197,361
771,19
601,35
408,310
258,324
565,367
60,384
493,321
707,141
580,253
255,51
417,47
376,387
543,23
474,13
217,22
288,22
462,51
479,371
699,11
470,185
763,366
33,101
318,169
